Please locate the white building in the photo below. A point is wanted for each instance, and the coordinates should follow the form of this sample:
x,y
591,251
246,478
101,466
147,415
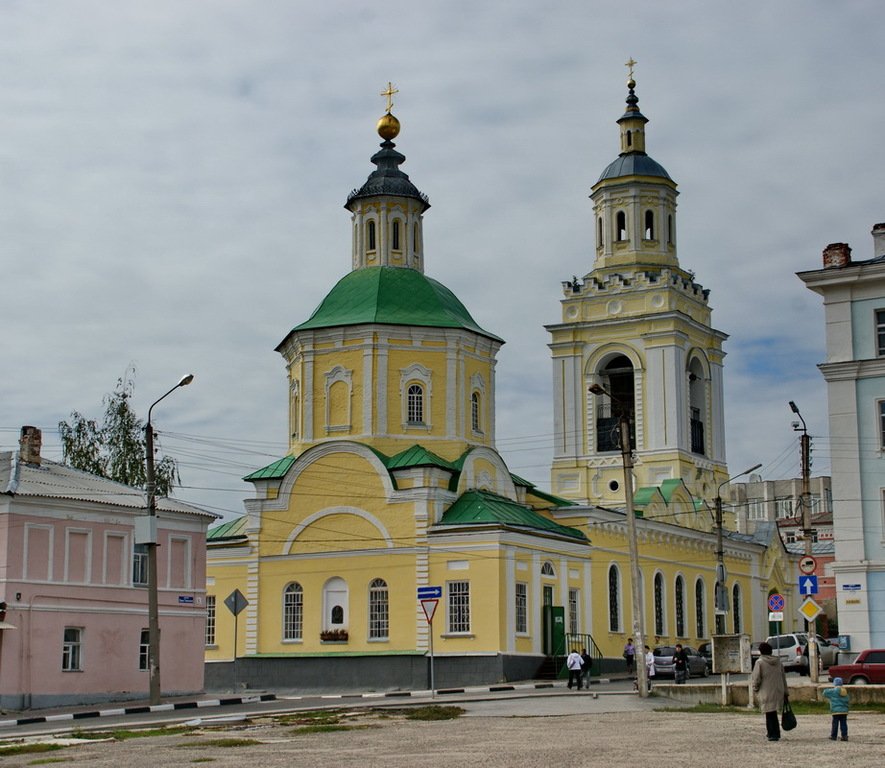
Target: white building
x,y
854,306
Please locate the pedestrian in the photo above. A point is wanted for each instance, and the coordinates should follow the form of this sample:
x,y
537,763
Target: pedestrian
x,y
574,664
680,664
770,685
838,708
630,655
649,665
588,665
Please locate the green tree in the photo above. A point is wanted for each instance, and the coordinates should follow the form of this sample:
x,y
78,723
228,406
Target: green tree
x,y
115,448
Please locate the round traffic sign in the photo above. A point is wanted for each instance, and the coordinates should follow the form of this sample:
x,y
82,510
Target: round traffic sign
x,y
808,564
776,602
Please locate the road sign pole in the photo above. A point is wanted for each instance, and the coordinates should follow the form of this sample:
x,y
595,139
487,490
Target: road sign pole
x,y
236,676
432,682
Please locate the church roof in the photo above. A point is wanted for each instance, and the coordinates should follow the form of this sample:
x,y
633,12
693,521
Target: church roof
x,y
392,296
634,164
388,179
483,508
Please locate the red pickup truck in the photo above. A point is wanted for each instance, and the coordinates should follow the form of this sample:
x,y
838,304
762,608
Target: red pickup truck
x,y
867,668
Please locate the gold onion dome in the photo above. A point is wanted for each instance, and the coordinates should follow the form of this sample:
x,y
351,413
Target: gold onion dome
x,y
388,127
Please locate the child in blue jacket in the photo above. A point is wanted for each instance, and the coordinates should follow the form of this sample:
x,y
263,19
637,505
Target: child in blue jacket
x,y
838,708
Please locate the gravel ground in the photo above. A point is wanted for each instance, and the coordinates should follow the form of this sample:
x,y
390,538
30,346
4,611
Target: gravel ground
x,y
559,731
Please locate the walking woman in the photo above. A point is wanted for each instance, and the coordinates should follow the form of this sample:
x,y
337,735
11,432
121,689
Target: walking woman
x,y
770,686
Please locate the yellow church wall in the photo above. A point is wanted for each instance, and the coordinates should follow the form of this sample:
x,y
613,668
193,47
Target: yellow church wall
x,y
222,579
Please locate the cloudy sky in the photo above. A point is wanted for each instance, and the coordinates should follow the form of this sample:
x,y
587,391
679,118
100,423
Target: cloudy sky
x,y
172,176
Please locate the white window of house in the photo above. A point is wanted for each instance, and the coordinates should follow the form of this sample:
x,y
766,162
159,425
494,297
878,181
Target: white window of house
x,y
547,569
756,509
144,647
210,620
475,411
679,595
140,565
573,602
379,614
522,608
293,612
659,604
458,605
614,599
783,507
415,413
880,332
72,650
882,424
700,607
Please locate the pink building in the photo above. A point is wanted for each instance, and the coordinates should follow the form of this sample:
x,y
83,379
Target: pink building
x,y
74,584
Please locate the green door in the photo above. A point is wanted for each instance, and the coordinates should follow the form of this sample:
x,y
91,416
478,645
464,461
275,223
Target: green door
x,y
554,630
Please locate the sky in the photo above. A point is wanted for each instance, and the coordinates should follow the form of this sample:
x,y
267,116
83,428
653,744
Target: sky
x,y
173,175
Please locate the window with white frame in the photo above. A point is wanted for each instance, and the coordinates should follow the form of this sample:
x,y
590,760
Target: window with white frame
x,y
783,507
475,412
756,509
379,619
882,424
547,569
210,619
521,608
880,332
700,607
614,599
573,602
458,593
415,407
140,565
293,612
680,606
72,650
659,604
144,650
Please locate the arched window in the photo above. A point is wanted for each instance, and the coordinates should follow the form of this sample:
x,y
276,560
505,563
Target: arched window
x,y
614,599
475,418
415,409
659,604
379,622
335,604
680,606
621,226
649,225
700,608
599,240
670,229
629,138
697,404
394,235
617,378
370,235
737,618
547,569
293,612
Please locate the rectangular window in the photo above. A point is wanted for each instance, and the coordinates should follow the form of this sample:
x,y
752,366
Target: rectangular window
x,y
458,606
210,619
140,565
144,649
522,607
379,610
783,507
573,597
756,510
72,650
882,424
880,331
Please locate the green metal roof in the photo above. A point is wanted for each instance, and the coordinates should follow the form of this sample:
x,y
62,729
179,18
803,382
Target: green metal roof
x,y
483,508
392,296
274,471
418,456
230,529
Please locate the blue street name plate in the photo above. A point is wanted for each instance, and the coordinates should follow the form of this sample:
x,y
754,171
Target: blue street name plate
x,y
428,593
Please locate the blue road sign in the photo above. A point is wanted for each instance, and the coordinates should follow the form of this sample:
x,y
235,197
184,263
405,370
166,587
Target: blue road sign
x,y
429,593
776,602
808,585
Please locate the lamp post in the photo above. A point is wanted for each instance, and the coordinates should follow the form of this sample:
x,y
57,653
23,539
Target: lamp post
x,y
153,601
805,502
636,592
720,595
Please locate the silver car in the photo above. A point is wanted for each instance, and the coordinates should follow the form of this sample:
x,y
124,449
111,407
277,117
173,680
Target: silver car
x,y
697,664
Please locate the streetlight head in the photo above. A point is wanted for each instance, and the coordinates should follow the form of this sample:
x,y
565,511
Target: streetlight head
x,y
752,469
793,407
185,380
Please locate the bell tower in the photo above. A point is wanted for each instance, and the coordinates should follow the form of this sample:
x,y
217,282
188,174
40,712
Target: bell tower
x,y
639,325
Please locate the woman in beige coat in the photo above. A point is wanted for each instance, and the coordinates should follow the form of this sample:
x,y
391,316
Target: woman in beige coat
x,y
770,686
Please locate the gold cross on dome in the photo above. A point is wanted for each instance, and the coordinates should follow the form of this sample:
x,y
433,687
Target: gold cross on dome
x,y
389,94
630,64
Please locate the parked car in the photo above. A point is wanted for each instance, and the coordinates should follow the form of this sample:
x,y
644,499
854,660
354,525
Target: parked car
x,y
868,667
706,650
792,648
697,664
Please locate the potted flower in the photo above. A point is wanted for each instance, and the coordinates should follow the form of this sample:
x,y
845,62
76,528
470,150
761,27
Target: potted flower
x,y
333,636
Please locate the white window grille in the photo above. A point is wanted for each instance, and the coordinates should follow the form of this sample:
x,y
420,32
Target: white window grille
x,y
458,606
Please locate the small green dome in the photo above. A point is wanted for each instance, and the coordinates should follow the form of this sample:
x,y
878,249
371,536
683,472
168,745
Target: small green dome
x,y
392,296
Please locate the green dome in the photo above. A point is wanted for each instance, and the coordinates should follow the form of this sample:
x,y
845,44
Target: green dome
x,y
391,296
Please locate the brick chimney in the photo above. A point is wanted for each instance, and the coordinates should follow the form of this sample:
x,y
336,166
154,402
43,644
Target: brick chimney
x,y
878,240
837,255
30,443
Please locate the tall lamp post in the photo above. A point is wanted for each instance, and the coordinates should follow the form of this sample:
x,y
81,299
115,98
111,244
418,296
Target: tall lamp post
x,y
153,601
807,532
720,595
636,592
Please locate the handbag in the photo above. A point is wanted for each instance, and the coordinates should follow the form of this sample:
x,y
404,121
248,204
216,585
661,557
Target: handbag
x,y
788,718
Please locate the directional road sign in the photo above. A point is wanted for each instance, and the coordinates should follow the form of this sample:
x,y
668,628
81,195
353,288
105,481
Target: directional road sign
x,y
808,564
808,585
429,593
776,602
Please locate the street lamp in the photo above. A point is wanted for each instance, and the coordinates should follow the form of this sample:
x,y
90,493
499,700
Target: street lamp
x,y
720,596
805,448
638,623
153,601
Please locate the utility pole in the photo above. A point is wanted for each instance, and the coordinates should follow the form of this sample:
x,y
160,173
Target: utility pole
x,y
635,576
807,532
